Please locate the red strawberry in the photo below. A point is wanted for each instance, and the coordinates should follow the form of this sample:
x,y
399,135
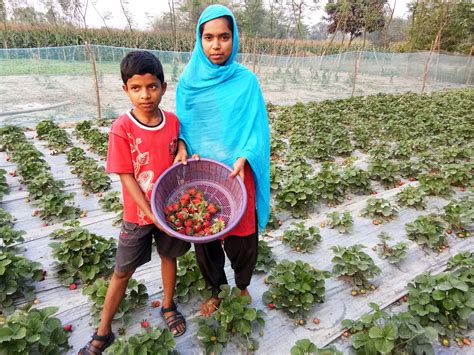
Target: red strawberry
x,y
207,216
207,231
188,223
463,189
169,209
72,286
271,306
197,228
145,323
405,299
44,224
345,334
68,327
206,224
196,201
181,216
211,208
198,196
178,224
189,230
411,178
171,219
156,303
316,321
191,191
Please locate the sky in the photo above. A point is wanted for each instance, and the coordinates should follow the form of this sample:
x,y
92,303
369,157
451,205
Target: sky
x,y
143,12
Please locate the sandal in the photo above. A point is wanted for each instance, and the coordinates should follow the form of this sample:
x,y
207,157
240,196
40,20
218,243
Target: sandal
x,y
91,349
174,320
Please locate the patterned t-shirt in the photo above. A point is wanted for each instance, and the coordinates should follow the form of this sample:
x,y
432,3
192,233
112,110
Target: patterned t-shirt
x,y
144,151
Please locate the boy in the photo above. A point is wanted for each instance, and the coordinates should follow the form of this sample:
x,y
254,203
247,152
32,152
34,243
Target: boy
x,y
142,144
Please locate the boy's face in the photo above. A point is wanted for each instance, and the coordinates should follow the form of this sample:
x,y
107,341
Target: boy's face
x,y
217,40
145,92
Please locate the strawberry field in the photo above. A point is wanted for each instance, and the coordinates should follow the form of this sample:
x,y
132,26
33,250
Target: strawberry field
x,y
368,249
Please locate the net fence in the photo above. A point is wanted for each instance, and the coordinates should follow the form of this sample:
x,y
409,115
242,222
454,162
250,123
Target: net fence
x,y
59,82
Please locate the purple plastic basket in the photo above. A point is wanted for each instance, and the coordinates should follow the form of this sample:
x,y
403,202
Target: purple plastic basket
x,y
212,178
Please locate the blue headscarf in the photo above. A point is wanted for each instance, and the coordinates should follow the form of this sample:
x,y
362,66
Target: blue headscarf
x,y
222,112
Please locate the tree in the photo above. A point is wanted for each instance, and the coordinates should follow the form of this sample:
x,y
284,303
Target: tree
x,y
355,17
427,17
250,16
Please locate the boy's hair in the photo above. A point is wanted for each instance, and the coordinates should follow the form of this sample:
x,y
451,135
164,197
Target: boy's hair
x,y
141,62
230,24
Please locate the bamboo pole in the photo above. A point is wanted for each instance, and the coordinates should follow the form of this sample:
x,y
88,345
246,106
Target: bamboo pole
x,y
96,81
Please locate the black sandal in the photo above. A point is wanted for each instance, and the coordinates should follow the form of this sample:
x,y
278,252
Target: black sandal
x,y
91,349
174,320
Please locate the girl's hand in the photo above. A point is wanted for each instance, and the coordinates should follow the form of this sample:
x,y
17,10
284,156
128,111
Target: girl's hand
x,y
239,166
182,154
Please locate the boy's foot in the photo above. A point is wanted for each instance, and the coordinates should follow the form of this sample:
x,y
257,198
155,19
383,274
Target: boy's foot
x,y
245,293
174,320
97,344
210,306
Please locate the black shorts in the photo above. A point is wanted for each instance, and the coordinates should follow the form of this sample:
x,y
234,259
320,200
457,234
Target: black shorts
x,y
134,246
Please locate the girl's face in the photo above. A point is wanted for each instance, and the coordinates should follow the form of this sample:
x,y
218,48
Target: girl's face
x,y
216,40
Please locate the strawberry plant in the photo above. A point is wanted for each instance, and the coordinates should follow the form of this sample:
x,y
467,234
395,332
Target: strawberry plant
x,y
212,336
135,296
353,263
75,155
193,215
435,184
357,180
442,301
429,231
412,197
9,236
97,140
4,189
306,347
82,255
294,287
16,275
383,333
329,184
342,222
393,253
273,221
111,202
458,174
152,340
236,316
296,192
189,280
6,218
58,139
463,262
459,214
410,168
277,147
300,238
44,127
265,260
379,209
383,170
57,206
276,176
33,331
95,180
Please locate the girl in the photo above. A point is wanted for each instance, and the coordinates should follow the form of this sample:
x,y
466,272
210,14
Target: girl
x,y
223,117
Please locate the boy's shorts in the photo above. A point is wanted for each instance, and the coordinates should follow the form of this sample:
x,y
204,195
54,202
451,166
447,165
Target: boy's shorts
x,y
134,246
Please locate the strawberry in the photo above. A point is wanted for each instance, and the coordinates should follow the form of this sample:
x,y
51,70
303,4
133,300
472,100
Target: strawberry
x,y
345,334
170,219
178,224
198,196
175,206
271,306
206,224
181,216
196,201
189,230
44,224
466,341
207,231
405,299
68,327
72,286
211,208
192,191
36,301
449,231
145,323
411,178
197,228
316,321
207,216
169,209
188,223
156,303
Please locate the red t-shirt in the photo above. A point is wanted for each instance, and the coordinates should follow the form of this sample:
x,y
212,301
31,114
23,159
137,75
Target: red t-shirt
x,y
247,224
143,151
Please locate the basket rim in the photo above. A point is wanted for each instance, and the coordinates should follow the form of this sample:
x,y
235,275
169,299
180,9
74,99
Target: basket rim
x,y
192,239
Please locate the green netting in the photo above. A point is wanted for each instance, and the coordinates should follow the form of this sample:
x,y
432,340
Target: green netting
x,y
58,81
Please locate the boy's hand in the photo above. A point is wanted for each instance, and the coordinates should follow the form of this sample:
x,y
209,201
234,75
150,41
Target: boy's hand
x,y
239,166
182,154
